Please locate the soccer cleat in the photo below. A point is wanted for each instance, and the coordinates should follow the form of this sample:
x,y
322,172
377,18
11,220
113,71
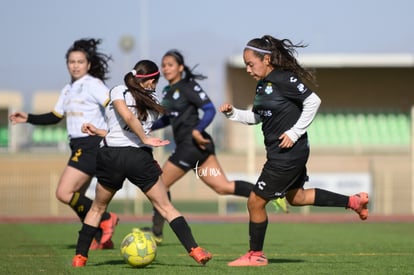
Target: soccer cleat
x,y
359,203
95,245
280,204
251,258
108,227
157,238
200,255
79,261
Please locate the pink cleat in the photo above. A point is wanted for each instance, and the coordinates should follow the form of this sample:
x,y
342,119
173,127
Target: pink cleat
x,y
359,203
251,258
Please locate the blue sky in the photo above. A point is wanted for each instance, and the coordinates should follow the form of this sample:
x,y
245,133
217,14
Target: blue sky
x,y
36,34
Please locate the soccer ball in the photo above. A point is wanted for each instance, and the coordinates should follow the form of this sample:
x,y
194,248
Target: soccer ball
x,y
138,248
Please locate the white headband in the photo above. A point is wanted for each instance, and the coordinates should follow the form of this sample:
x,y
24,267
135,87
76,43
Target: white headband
x,y
257,49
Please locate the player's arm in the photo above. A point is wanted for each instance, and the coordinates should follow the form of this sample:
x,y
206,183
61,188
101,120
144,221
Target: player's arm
x,y
310,107
243,116
41,119
135,125
90,129
160,123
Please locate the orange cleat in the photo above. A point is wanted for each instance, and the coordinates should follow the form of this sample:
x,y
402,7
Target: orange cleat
x,y
200,255
79,261
95,245
251,258
108,227
359,203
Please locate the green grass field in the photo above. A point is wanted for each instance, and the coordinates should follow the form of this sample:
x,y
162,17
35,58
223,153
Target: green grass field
x,y
292,248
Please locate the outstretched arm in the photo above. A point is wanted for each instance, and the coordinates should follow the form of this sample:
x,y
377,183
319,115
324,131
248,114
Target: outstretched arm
x,y
42,119
242,116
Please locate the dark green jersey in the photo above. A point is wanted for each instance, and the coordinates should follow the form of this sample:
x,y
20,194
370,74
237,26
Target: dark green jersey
x,y
279,101
182,101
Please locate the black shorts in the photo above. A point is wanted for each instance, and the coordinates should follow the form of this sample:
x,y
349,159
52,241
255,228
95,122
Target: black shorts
x,y
188,155
280,176
115,164
84,151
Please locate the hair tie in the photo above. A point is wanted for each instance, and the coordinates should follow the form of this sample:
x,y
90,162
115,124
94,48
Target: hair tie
x,y
147,75
134,72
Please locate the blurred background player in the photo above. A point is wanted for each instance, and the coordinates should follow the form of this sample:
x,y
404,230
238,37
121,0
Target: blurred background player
x,y
183,98
82,100
126,153
286,107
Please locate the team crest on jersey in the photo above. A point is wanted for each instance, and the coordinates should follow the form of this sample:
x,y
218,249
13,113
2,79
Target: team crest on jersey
x,y
269,89
176,94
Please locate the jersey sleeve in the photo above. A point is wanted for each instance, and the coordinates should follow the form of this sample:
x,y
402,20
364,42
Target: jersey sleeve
x,y
196,95
59,109
117,93
99,91
293,88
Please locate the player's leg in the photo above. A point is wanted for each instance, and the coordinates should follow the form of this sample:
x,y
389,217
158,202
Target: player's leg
x,y
257,231
71,190
158,197
320,197
211,173
90,226
170,175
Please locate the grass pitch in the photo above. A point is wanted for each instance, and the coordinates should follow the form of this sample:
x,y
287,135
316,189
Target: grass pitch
x,y
292,248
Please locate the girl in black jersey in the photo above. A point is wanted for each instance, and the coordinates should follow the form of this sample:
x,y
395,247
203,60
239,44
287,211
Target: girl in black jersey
x,y
183,98
285,106
82,100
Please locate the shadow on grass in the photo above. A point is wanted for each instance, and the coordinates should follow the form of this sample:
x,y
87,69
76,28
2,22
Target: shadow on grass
x,y
151,266
284,261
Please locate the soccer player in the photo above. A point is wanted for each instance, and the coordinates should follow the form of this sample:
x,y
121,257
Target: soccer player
x,y
183,98
82,100
126,153
286,107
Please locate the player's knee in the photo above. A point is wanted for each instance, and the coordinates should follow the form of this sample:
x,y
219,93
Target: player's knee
x,y
62,196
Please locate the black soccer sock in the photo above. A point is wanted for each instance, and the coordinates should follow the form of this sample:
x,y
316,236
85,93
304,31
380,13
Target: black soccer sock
x,y
257,233
158,220
327,198
183,232
242,188
80,204
86,235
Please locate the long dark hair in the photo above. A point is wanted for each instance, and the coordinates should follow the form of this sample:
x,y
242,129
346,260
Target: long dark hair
x,y
189,73
282,55
145,101
99,61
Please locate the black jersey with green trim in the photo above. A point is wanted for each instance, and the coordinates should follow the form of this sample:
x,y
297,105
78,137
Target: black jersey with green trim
x,y
279,102
182,101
